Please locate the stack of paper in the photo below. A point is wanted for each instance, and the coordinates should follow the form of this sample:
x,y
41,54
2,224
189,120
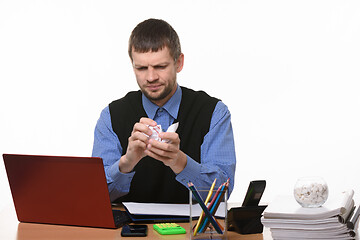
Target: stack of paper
x,y
288,220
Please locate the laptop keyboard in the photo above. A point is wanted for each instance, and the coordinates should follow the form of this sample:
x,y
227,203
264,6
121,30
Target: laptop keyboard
x,y
121,218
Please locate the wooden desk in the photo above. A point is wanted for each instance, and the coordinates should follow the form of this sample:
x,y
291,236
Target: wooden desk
x,y
11,229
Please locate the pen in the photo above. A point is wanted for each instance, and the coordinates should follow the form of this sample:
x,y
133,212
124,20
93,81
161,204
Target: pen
x,y
204,208
206,202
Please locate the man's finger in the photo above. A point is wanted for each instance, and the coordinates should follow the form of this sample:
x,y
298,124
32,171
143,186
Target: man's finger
x,y
148,121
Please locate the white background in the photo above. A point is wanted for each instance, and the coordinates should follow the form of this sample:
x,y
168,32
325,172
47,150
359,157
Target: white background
x,y
288,71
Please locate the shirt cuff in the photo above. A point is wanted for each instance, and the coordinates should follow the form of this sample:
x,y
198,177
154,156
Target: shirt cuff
x,y
190,172
120,179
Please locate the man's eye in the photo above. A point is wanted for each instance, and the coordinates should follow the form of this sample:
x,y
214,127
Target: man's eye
x,y
141,68
161,67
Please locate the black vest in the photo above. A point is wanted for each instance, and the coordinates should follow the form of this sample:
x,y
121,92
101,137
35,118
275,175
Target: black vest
x,y
153,181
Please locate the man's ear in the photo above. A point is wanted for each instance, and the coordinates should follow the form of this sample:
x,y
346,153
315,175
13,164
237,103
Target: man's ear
x,y
180,63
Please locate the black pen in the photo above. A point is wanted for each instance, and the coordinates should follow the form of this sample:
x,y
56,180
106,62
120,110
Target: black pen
x,y
351,224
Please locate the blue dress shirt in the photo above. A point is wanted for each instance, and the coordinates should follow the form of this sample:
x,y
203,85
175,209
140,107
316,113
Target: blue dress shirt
x,y
217,151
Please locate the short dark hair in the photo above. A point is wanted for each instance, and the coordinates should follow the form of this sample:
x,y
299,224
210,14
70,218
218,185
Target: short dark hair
x,y
153,35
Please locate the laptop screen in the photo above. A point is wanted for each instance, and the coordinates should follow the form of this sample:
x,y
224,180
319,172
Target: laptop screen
x,y
59,190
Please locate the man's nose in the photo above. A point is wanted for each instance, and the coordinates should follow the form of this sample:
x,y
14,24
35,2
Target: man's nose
x,y
151,74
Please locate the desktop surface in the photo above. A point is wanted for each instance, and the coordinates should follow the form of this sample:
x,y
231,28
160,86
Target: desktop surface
x,y
12,229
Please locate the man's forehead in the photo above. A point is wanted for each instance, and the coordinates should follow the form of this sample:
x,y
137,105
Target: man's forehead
x,y
151,57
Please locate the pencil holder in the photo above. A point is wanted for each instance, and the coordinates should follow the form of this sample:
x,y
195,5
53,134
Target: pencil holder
x,y
203,227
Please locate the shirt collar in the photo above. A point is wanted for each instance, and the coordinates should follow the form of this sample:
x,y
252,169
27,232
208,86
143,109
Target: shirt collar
x,y
171,106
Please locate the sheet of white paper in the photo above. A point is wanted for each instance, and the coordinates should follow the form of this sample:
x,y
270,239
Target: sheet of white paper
x,y
168,209
173,127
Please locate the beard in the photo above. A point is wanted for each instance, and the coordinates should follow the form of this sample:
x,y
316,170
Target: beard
x,y
158,96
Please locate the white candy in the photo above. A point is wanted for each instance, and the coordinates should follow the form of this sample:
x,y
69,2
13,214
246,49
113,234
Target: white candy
x,y
311,195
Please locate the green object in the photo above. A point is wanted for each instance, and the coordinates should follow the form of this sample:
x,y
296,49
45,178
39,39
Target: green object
x,y
169,228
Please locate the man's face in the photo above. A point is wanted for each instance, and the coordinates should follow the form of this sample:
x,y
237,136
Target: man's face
x,y
156,74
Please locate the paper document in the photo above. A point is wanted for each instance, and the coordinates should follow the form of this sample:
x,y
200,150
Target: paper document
x,y
287,220
168,209
285,207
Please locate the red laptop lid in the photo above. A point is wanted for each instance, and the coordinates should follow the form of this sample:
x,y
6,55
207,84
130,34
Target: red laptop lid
x,y
59,190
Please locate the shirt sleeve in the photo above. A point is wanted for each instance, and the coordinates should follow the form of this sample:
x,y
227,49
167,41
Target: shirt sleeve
x,y
108,147
218,159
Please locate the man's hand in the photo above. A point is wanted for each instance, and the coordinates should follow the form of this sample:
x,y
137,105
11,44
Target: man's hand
x,y
167,152
137,144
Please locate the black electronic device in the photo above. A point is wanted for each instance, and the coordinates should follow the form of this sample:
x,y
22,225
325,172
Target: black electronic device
x,y
134,231
254,193
247,219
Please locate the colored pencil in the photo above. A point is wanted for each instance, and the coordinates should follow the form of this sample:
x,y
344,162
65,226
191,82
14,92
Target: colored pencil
x,y
212,202
206,202
204,208
215,206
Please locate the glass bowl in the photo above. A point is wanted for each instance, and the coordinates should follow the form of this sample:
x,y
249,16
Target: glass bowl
x,y
311,191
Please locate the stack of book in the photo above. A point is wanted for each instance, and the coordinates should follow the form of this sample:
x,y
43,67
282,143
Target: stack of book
x,y
334,220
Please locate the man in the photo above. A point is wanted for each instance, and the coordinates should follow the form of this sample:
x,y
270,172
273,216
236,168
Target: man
x,y
146,170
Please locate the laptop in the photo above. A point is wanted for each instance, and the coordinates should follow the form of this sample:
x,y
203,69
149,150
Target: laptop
x,y
61,190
